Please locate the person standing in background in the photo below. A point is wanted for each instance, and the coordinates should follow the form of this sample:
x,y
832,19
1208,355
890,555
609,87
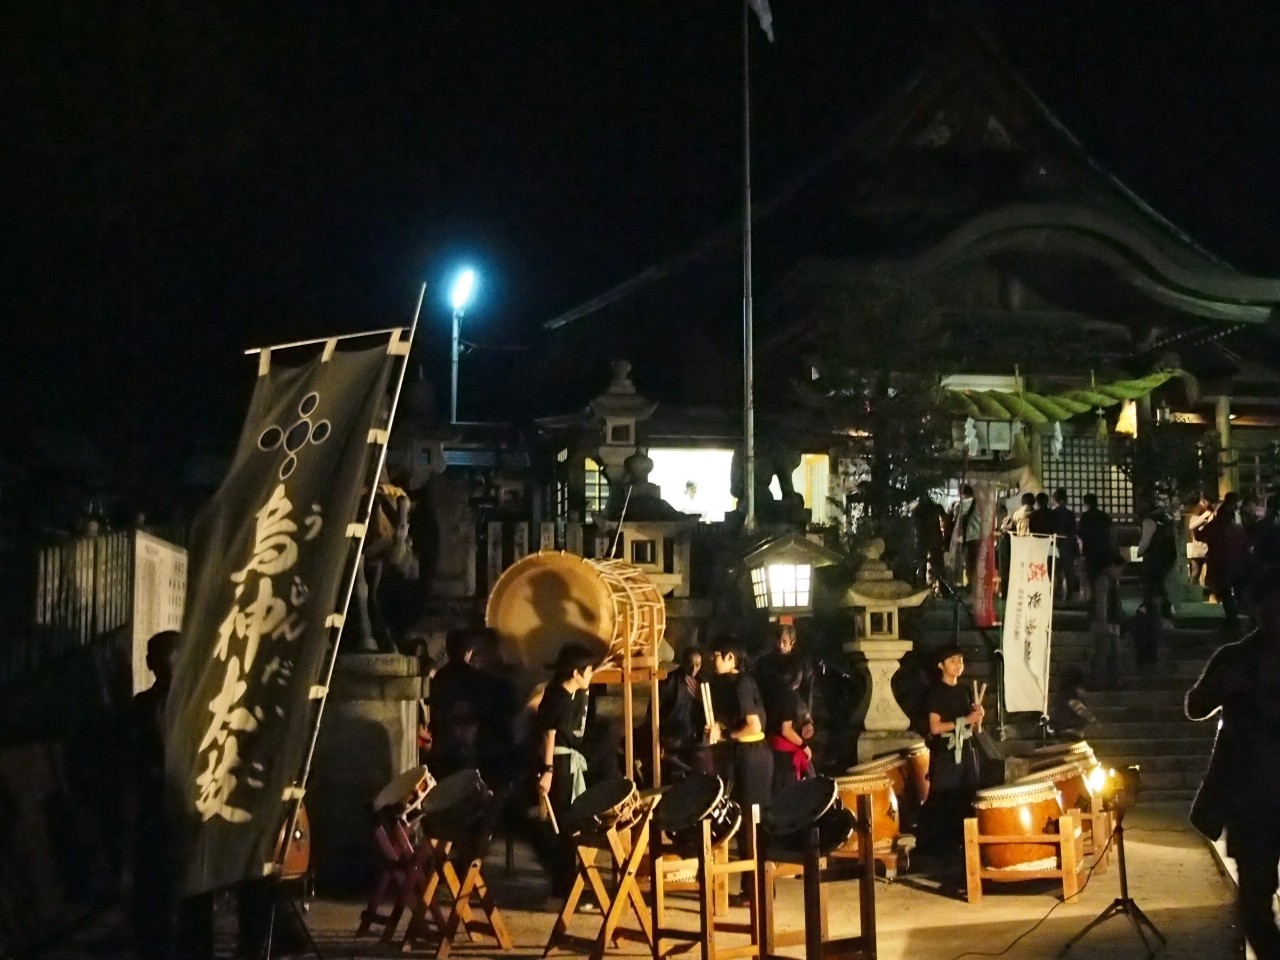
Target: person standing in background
x,y
967,531
1068,544
1228,557
1097,539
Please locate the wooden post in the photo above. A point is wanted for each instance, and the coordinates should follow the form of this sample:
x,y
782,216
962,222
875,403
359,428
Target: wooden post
x,y
972,861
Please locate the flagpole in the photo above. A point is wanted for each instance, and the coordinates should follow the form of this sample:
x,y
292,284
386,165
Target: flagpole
x,y
300,784
748,358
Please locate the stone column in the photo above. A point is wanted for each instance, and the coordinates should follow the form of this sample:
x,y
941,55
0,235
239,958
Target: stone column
x,y
885,726
368,737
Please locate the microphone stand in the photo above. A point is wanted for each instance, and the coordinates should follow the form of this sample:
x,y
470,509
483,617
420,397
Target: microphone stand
x,y
1124,904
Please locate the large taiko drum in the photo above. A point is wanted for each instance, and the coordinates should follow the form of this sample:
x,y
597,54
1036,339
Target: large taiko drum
x,y
884,809
1019,810
1070,780
918,765
1053,754
551,598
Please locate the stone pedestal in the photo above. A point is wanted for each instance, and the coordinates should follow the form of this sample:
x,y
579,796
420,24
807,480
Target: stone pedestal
x,y
877,661
882,742
368,737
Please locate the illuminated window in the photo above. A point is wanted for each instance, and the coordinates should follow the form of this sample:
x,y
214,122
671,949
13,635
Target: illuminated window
x,y
782,585
596,490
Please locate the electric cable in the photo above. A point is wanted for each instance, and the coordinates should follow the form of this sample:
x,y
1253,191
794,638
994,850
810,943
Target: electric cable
x,y
1036,926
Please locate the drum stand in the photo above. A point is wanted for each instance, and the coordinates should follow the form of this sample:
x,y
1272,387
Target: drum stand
x,y
713,873
1069,841
1123,905
441,856
817,873
627,849
401,880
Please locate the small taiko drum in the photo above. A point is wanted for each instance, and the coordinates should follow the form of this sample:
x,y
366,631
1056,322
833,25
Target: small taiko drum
x,y
552,597
799,809
1071,781
297,855
884,809
685,806
1018,810
401,799
614,803
452,809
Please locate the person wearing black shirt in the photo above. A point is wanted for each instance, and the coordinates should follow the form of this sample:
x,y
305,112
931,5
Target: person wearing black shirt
x,y
785,657
1067,542
560,765
681,720
457,703
1097,541
953,761
792,756
742,757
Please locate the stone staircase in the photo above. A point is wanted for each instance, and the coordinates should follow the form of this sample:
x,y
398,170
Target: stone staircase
x,y
1142,723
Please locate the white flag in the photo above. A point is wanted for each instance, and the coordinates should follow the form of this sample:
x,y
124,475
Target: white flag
x,y
761,7
1028,625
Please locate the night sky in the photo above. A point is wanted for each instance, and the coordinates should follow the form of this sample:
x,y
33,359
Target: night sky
x,y
186,180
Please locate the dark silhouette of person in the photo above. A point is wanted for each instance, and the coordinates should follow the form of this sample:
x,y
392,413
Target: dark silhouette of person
x,y
153,872
457,704
1241,790
1097,539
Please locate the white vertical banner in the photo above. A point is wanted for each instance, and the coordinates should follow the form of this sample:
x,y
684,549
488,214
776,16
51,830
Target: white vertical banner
x,y
1028,625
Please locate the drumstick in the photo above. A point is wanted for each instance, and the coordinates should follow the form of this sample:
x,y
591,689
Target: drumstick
x,y
979,692
545,802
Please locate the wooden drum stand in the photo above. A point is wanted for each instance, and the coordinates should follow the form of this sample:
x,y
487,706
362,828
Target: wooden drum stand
x,y
714,868
817,873
626,845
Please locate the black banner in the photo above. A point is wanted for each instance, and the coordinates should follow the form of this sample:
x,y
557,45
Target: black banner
x,y
268,558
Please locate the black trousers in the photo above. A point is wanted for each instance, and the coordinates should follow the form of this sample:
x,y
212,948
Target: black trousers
x,y
555,851
748,770
1256,863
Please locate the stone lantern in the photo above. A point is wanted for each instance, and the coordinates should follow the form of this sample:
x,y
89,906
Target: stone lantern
x,y
618,411
877,650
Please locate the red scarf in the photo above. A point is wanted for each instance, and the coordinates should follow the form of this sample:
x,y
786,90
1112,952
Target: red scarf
x,y
799,762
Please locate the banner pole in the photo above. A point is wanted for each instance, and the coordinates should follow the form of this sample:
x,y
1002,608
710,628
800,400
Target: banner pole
x,y
353,568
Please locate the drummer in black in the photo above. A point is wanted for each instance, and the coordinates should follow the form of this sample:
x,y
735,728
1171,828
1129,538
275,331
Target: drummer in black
x,y
457,704
681,721
559,763
953,759
742,756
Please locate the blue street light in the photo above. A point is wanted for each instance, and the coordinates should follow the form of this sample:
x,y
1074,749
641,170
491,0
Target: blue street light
x,y
464,286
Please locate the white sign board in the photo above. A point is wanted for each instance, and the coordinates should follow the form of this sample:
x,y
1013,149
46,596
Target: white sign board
x,y
1028,625
159,593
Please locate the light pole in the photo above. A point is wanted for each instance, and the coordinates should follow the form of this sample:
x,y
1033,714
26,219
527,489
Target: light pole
x,y
464,286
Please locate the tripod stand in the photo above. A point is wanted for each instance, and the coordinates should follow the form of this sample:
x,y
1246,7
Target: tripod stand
x,y
1123,905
